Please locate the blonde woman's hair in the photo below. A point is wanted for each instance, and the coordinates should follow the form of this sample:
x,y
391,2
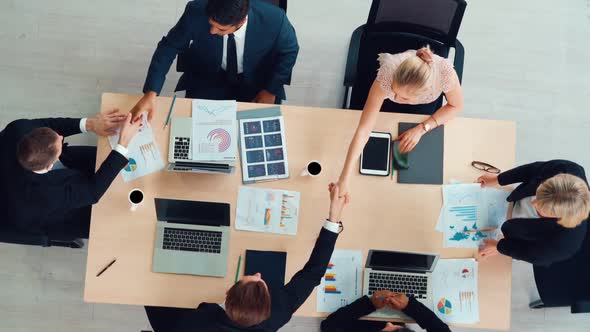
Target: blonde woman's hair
x,y
415,72
565,196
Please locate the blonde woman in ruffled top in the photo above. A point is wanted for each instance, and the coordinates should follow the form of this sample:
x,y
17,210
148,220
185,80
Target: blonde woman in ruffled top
x,y
412,77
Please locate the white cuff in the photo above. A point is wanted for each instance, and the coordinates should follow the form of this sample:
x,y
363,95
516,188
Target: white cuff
x,y
332,226
122,150
83,126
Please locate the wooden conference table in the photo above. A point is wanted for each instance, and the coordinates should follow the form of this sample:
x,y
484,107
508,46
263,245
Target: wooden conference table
x,y
382,214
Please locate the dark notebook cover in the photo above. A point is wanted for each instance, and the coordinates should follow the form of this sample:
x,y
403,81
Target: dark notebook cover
x,y
270,264
426,159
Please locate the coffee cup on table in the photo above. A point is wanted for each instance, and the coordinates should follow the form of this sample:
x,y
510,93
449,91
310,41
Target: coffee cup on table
x,y
313,168
135,198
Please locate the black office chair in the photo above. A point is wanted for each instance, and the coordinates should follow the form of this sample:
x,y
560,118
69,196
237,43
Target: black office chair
x,y
182,59
567,283
395,26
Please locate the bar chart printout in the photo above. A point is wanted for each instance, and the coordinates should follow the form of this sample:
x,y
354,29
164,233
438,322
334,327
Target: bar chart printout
x,y
341,284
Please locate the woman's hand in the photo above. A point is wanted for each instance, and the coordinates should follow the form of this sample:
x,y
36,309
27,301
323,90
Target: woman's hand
x,y
489,249
343,189
410,138
488,180
380,298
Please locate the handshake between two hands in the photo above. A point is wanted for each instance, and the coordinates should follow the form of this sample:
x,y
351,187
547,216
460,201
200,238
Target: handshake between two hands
x,y
107,124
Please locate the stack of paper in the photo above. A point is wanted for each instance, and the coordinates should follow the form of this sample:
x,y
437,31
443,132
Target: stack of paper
x,y
267,210
455,291
144,155
471,214
214,137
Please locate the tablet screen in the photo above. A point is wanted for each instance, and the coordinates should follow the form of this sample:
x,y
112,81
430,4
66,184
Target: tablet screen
x,y
376,154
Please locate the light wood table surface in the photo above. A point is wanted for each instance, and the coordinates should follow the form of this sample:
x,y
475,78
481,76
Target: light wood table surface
x,y
382,214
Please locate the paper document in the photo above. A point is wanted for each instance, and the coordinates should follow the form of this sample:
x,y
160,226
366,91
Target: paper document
x,y
455,291
267,210
471,214
214,130
144,155
342,282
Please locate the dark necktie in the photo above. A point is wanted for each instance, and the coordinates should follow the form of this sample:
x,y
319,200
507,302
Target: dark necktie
x,y
232,60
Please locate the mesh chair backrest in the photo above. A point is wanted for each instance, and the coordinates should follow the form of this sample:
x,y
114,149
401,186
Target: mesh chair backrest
x,y
438,19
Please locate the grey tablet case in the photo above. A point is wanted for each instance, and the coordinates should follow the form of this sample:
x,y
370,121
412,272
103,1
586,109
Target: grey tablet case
x,y
257,113
426,159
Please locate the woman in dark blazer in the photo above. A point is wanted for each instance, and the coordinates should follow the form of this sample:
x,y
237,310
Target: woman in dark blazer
x,y
346,319
550,210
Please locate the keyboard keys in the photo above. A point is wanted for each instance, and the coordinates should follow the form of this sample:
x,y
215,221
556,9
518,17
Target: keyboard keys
x,y
192,240
410,285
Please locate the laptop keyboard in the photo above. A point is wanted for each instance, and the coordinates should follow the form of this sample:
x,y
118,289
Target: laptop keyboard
x,y
192,240
181,146
399,283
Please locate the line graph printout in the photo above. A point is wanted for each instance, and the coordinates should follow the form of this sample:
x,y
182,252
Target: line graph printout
x,y
267,210
342,282
214,130
471,214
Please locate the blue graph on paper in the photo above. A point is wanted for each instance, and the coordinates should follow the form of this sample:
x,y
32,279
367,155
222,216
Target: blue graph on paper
x,y
468,211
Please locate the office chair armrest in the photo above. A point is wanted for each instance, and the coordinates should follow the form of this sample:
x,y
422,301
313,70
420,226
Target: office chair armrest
x,y
580,307
353,56
459,58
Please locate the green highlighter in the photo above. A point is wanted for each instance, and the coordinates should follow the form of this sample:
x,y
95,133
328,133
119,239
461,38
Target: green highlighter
x,y
400,160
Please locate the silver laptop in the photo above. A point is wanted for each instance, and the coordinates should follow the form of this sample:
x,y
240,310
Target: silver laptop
x,y
191,237
400,272
180,152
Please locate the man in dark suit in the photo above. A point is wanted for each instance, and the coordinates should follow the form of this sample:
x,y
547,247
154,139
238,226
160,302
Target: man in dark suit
x,y
252,304
239,49
49,186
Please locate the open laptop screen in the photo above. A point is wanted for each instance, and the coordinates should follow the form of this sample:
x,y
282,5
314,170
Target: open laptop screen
x,y
192,212
401,261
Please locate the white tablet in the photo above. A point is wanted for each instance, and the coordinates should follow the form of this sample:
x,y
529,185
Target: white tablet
x,y
375,159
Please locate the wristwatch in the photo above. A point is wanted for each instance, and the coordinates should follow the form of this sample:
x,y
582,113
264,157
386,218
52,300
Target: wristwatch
x,y
426,127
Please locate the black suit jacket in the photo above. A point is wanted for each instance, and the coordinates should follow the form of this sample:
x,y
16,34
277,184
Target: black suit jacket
x,y
346,319
37,201
540,241
284,300
270,50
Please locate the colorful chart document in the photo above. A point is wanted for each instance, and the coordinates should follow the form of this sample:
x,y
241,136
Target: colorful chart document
x,y
267,210
144,155
214,130
471,214
455,291
342,282
263,149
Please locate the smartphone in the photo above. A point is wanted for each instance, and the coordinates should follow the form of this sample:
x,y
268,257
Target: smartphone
x,y
375,159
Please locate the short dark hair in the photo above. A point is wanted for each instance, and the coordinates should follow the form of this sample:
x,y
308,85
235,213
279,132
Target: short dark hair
x,y
248,303
228,12
37,149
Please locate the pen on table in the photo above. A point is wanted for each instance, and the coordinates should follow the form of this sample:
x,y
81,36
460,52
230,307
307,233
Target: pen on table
x,y
170,112
238,269
392,158
106,267
481,230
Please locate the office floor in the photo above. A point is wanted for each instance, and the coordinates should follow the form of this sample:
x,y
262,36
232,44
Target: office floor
x,y
526,61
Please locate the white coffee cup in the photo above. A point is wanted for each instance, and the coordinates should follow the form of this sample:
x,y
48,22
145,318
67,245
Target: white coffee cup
x,y
313,169
135,197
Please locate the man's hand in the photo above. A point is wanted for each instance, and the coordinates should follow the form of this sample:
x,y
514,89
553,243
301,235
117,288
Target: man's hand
x,y
489,249
264,97
129,130
410,138
337,203
398,301
105,124
147,103
343,189
488,180
379,298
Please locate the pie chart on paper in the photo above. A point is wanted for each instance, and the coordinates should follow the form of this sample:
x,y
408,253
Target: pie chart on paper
x,y
444,306
131,166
